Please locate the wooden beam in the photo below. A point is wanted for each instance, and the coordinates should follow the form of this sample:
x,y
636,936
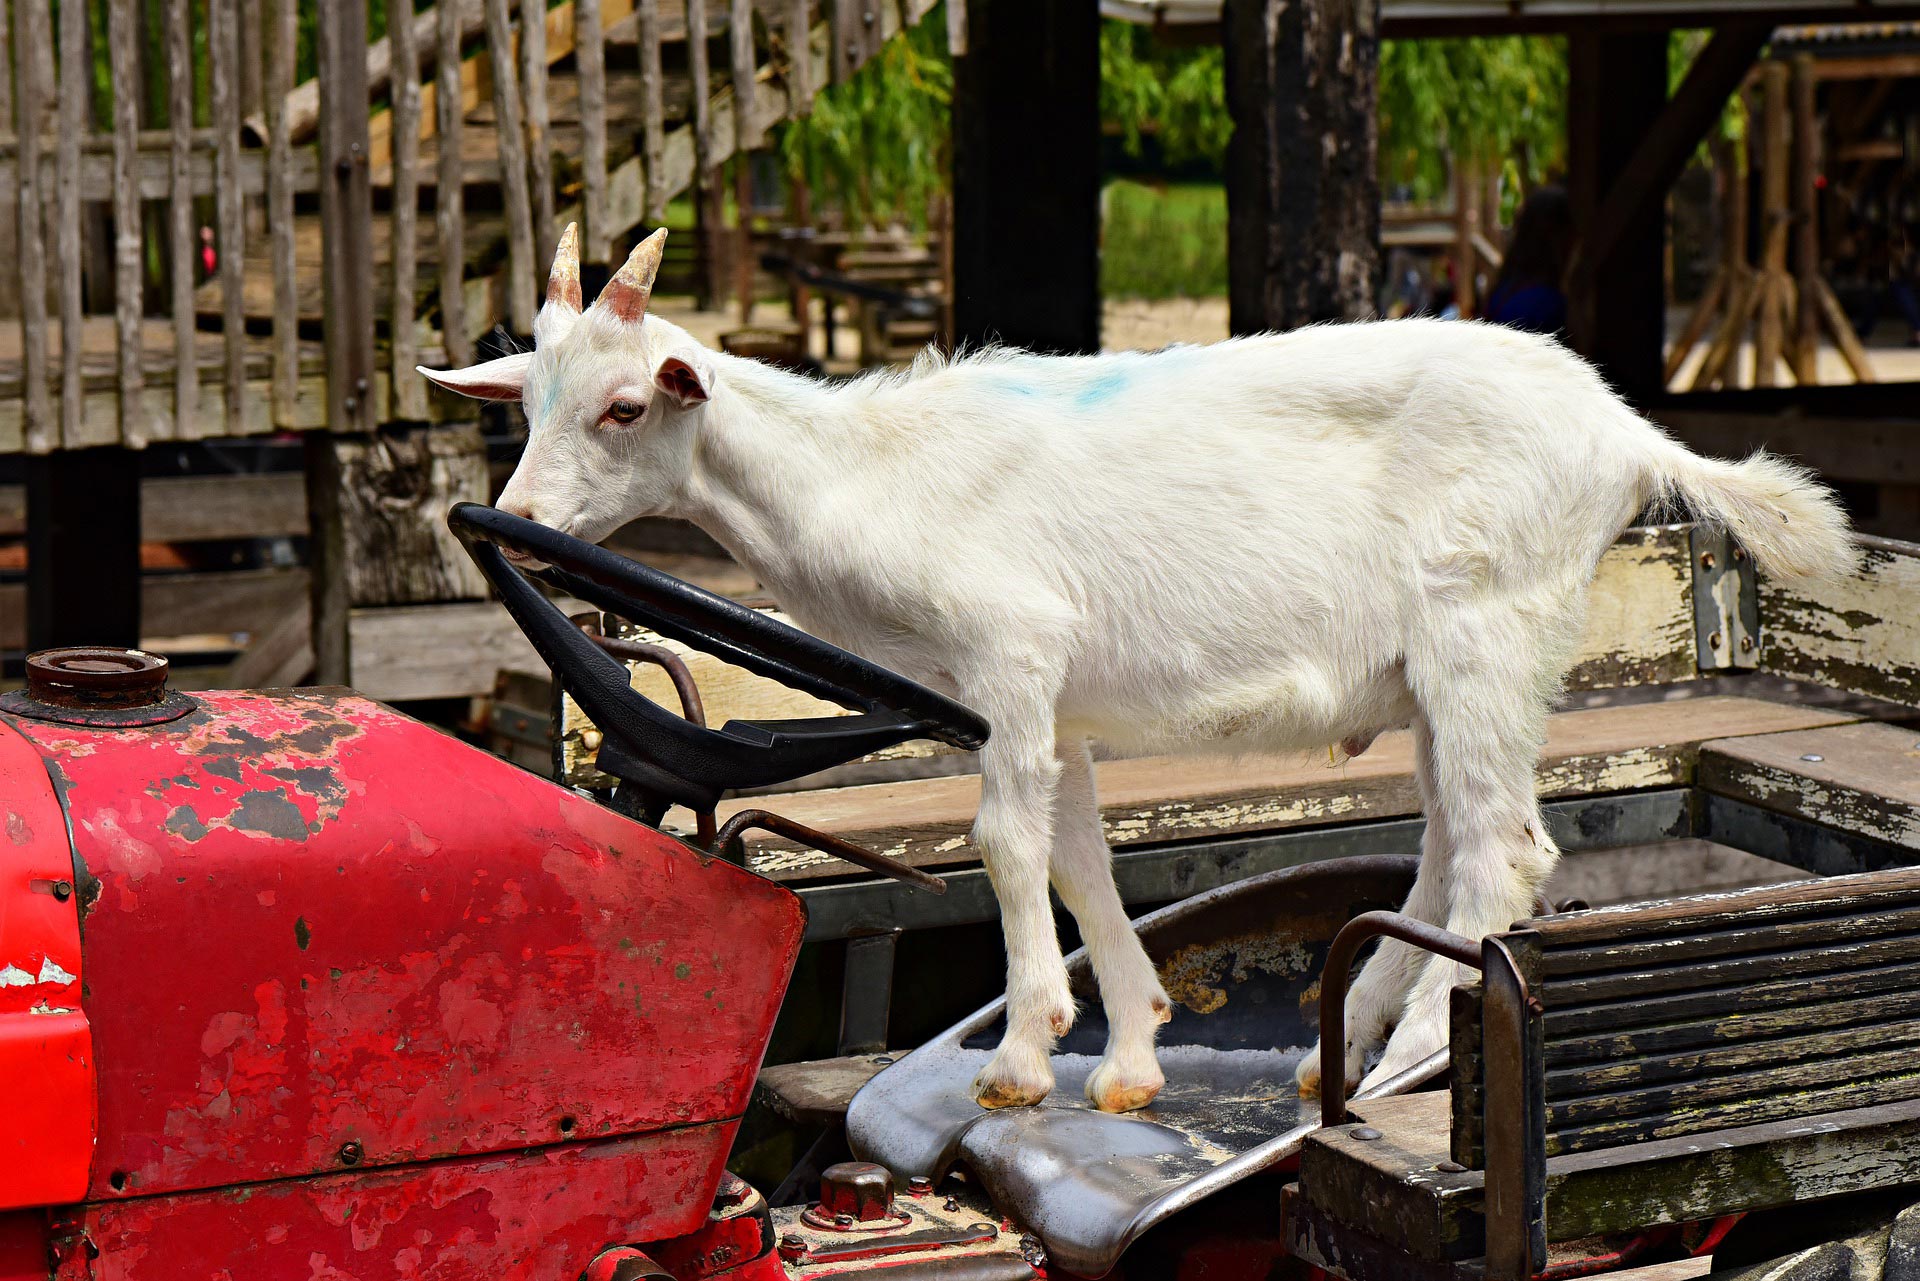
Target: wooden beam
x,y
1642,183
1026,175
1303,191
1617,88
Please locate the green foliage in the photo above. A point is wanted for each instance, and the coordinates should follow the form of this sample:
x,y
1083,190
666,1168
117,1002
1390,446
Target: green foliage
x,y
1487,100
876,145
1163,242
1178,93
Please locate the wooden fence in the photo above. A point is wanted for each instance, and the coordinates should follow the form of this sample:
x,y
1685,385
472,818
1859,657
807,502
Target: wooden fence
x,y
200,136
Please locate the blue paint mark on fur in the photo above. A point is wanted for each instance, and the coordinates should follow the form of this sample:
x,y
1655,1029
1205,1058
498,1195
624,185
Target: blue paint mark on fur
x,y
1101,388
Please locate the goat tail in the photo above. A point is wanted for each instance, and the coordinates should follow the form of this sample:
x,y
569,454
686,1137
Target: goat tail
x,y
1791,524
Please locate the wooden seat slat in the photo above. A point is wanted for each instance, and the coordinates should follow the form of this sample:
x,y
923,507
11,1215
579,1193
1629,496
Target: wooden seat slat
x,y
1737,908
1897,1087
1841,954
1718,1028
1713,1055
1755,998
1887,1058
1862,778
1735,942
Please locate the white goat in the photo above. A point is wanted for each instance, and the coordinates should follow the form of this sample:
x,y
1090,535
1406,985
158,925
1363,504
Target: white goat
x,y
1272,543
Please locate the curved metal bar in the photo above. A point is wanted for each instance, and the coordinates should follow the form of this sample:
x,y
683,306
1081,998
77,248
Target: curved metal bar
x,y
1333,990
659,655
826,844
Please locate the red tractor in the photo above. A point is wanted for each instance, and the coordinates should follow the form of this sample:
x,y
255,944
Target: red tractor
x,y
294,986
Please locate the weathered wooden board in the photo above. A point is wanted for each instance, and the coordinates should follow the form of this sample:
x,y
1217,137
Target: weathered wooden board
x,y
185,509
1859,778
1860,633
1639,613
437,651
1151,799
396,488
246,600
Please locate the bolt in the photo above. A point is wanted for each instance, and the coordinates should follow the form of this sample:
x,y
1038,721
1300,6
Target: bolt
x,y
984,1229
1533,1004
351,404
919,1185
351,1153
1746,644
1706,560
1451,1167
1815,757
950,1205
793,1246
1365,1133
360,385
63,890
1739,555
843,1220
1713,640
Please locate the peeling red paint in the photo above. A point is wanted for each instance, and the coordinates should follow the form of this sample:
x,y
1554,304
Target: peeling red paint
x,y
443,957
528,1216
46,1046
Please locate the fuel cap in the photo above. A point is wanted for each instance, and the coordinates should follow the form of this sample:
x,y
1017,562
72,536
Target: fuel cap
x,y
97,685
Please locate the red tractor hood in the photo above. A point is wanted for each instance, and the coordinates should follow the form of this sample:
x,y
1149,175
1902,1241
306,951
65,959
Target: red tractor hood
x,y
317,936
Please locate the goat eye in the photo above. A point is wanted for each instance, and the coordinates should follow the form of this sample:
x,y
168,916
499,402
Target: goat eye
x,y
625,411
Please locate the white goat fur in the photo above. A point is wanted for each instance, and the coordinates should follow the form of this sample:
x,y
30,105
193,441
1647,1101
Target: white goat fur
x,y
1271,543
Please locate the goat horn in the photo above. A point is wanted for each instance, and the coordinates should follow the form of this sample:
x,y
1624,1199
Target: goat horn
x,y
627,294
563,282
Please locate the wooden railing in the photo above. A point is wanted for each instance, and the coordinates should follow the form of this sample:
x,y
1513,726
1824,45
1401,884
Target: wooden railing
x,y
124,338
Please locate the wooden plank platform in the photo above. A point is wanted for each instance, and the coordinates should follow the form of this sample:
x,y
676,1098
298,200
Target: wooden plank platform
x,y
1156,799
1862,778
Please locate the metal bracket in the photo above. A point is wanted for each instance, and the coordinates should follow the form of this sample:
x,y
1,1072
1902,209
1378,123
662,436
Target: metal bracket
x,y
867,991
1726,603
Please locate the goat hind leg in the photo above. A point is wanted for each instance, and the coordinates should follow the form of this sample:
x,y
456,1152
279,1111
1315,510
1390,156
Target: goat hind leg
x,y
1378,995
1128,1076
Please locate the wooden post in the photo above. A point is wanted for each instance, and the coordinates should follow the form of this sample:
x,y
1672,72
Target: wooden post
x,y
743,235
182,263
1466,226
533,58
1026,176
652,92
9,238
74,83
800,55
449,200
590,56
741,56
123,47
1806,223
281,39
510,129
223,44
28,32
83,548
409,389
346,216
1303,192
1617,89
1775,224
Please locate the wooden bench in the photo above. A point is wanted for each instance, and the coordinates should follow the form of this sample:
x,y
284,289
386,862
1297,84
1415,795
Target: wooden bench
x,y
1638,1066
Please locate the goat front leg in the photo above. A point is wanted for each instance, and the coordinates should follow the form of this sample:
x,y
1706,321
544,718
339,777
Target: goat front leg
x,y
1128,1076
1014,833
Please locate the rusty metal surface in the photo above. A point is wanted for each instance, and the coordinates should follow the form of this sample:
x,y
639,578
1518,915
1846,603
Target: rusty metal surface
x,y
47,1115
97,685
1243,965
324,935
950,1232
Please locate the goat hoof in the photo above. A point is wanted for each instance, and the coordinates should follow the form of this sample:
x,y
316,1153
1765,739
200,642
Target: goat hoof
x,y
994,1095
1112,1090
1016,1077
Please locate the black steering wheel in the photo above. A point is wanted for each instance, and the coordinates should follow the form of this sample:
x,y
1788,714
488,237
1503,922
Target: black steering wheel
x,y
667,758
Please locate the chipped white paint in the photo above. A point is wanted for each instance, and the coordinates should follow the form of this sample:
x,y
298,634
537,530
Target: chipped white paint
x,y
50,972
1639,613
1859,633
14,976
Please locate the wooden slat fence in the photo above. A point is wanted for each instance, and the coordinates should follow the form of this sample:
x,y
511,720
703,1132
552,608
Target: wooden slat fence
x,y
185,173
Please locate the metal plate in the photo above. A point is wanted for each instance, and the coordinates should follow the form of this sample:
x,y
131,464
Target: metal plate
x,y
1243,966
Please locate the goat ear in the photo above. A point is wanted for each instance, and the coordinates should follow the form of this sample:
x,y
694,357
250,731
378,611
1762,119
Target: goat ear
x,y
500,379
685,376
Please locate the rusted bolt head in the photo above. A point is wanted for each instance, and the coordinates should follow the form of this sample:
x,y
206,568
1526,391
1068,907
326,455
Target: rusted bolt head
x,y
1364,1133
1706,560
63,890
843,1220
793,1246
919,1185
1746,644
351,1153
859,1189
96,676
1451,1167
1713,640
